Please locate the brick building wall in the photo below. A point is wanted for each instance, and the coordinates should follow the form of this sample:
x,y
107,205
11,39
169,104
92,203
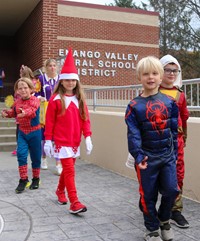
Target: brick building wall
x,y
50,22
36,39
33,43
112,39
29,39
119,38
25,47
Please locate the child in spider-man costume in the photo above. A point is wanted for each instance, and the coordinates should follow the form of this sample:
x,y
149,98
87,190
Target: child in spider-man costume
x,y
26,111
152,121
171,83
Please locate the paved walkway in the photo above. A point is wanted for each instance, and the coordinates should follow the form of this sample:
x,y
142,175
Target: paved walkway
x,y
112,202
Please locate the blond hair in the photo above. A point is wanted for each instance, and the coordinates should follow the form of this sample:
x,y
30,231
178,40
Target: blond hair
x,y
78,92
25,80
48,62
149,64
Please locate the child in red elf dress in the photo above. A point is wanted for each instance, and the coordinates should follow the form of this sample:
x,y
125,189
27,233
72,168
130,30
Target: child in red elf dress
x,y
67,119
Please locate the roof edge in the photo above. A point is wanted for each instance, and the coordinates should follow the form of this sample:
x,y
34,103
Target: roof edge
x,y
109,8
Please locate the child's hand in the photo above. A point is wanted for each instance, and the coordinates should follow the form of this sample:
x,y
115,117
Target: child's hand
x,y
4,114
42,99
22,114
143,164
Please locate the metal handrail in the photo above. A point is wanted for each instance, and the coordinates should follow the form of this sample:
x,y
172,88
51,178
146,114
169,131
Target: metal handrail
x,y
119,96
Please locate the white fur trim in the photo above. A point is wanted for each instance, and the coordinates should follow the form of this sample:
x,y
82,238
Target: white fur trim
x,y
69,76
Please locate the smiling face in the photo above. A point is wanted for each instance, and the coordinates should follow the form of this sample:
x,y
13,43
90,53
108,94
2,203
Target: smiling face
x,y
69,85
24,90
151,81
149,71
171,71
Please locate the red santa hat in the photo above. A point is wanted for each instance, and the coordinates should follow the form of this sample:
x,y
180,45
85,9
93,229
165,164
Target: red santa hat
x,y
69,70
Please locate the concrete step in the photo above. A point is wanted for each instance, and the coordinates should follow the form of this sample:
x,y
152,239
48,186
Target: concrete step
x,y
7,130
7,134
2,105
10,146
7,122
7,138
8,119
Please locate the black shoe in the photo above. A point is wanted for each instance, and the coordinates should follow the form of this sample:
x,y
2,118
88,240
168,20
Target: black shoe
x,y
22,185
179,220
35,183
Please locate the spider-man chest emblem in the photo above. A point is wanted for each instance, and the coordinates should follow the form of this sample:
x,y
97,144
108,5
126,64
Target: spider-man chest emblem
x,y
157,114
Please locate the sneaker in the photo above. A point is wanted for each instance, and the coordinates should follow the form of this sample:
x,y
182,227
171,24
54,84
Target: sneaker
x,y
14,153
167,233
35,183
22,185
179,220
152,236
58,170
62,200
44,164
77,207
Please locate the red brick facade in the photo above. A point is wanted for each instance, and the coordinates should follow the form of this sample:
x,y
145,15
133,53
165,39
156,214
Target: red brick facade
x,y
113,44
108,33
29,39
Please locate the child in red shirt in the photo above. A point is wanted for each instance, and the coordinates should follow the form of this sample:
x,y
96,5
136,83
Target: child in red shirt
x,y
26,111
171,83
24,71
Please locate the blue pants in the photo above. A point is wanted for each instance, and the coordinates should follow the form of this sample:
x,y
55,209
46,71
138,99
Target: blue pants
x,y
159,177
29,142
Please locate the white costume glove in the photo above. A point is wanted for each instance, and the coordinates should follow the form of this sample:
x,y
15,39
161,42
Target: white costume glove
x,y
89,146
48,148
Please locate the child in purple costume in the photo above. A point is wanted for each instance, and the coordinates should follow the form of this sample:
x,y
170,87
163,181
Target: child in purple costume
x,y
44,89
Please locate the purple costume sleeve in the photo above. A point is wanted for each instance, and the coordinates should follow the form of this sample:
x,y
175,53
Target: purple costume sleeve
x,y
47,87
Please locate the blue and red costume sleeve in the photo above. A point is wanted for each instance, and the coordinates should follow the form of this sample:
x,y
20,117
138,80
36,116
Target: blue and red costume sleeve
x,y
174,126
133,134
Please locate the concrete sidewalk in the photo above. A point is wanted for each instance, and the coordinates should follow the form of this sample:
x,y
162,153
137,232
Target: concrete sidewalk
x,y
112,202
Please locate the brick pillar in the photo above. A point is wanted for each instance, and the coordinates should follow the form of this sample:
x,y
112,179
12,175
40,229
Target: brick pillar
x,y
50,25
